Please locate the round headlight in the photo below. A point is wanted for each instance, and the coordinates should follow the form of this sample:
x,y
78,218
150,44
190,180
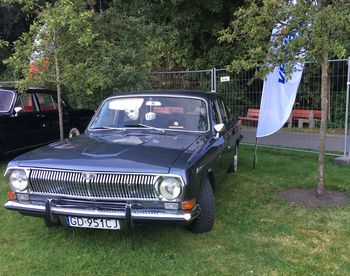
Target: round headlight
x,y
170,188
18,180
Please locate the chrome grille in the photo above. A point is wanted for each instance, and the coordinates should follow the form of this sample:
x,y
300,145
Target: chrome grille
x,y
101,185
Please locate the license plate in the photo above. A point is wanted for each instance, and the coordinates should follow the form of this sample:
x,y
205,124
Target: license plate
x,y
97,223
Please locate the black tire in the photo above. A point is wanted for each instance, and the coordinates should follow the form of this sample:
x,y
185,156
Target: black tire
x,y
234,165
73,132
205,221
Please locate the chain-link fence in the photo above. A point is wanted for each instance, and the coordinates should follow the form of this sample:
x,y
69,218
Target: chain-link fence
x,y
243,94
201,80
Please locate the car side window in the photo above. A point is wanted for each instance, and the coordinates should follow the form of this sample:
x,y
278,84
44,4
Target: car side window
x,y
222,111
26,101
46,102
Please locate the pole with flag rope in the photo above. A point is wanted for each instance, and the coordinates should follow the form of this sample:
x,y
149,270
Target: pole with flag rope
x,y
255,153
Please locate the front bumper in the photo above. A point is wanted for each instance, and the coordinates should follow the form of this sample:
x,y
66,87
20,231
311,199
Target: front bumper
x,y
130,212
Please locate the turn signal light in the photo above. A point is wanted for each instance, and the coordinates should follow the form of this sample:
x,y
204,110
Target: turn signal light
x,y
188,204
11,196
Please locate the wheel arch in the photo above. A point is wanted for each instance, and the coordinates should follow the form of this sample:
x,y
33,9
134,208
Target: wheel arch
x,y
211,177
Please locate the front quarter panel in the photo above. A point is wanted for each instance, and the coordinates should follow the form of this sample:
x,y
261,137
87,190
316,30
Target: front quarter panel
x,y
195,163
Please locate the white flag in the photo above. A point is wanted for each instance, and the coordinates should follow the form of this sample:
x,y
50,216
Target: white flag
x,y
278,96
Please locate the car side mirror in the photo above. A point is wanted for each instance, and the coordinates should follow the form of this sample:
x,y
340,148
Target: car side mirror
x,y
17,109
219,128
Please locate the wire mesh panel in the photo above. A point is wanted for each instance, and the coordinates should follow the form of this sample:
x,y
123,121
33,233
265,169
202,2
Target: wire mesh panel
x,y
302,129
240,91
200,80
243,94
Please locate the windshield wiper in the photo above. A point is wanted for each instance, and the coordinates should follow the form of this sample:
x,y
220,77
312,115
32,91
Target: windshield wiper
x,y
146,126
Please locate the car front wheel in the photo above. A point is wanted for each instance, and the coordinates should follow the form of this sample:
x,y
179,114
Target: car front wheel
x,y
205,221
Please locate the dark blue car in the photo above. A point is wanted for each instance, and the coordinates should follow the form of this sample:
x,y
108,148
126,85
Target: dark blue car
x,y
150,156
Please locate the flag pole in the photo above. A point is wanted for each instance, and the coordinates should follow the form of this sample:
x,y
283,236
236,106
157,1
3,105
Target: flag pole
x,y
255,153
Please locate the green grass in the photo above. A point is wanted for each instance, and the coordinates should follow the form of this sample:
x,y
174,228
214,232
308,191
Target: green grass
x,y
255,233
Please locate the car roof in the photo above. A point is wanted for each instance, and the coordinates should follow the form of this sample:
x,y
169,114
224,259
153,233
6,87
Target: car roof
x,y
30,89
186,93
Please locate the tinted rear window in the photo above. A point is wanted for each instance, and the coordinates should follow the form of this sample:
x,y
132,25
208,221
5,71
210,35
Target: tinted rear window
x,y
6,98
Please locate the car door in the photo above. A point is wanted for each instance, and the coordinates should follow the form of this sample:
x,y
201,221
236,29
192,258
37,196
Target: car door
x,y
217,144
23,129
227,134
48,115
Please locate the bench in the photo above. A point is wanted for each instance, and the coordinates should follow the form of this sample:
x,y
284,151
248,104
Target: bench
x,y
304,116
252,115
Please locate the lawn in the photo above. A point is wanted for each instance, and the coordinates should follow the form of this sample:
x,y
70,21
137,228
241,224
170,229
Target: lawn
x,y
255,232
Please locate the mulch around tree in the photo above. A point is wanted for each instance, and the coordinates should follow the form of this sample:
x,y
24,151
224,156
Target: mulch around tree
x,y
308,198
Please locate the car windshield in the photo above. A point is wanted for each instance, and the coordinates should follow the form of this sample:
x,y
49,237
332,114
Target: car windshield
x,y
6,99
153,112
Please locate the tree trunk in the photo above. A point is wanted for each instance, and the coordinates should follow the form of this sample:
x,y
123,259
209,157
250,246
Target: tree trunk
x,y
59,98
324,107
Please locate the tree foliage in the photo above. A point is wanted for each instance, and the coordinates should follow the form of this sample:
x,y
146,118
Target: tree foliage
x,y
182,34
13,22
102,52
175,34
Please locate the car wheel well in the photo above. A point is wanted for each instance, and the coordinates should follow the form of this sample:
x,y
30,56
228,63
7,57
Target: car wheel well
x,y
211,178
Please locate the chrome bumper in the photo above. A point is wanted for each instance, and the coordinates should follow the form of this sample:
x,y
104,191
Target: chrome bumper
x,y
129,213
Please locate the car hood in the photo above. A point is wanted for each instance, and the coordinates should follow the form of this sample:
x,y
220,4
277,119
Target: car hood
x,y
111,152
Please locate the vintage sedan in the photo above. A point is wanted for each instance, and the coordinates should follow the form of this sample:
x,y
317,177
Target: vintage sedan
x,y
30,119
151,156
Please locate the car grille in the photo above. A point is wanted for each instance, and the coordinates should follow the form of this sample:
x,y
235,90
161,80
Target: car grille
x,y
93,185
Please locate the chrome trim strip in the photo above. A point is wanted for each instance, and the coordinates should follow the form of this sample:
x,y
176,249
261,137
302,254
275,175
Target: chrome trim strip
x,y
102,185
136,214
97,172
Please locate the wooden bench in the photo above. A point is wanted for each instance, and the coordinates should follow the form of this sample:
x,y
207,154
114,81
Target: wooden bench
x,y
303,116
252,115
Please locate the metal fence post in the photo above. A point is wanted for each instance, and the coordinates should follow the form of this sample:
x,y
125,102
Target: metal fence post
x,y
346,134
212,84
214,70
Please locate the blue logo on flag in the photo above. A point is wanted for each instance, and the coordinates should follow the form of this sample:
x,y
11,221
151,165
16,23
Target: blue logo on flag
x,y
282,69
